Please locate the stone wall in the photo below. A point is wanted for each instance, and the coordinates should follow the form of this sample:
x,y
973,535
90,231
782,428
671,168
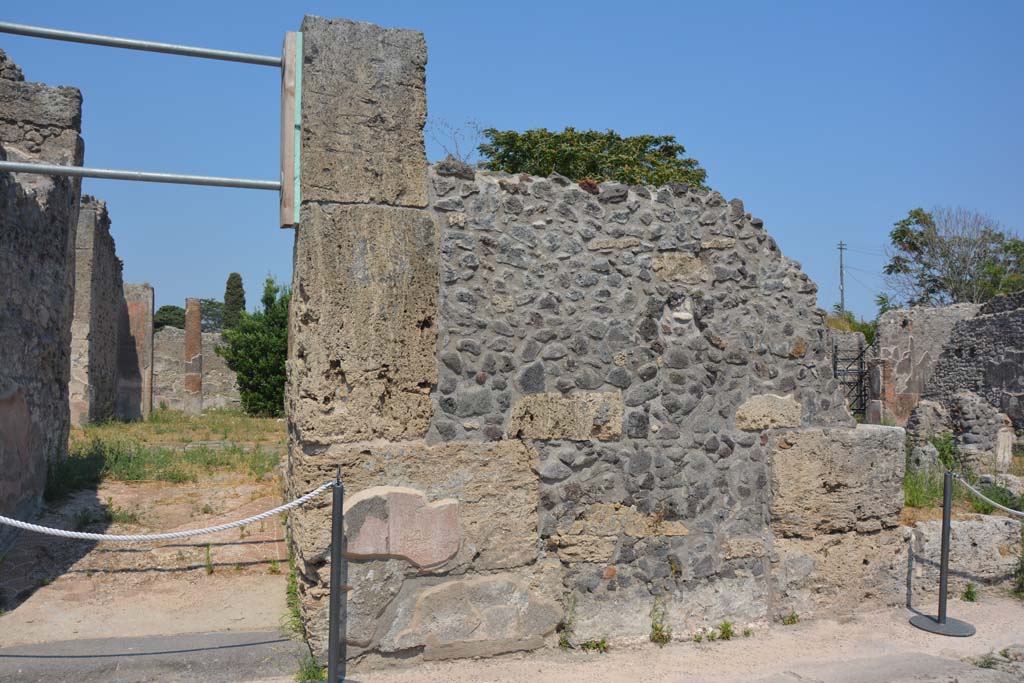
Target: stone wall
x,y
99,299
985,355
38,215
218,388
554,404
910,342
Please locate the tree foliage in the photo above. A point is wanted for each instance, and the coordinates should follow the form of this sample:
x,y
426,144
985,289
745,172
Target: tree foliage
x,y
256,349
234,300
169,316
591,154
211,315
948,256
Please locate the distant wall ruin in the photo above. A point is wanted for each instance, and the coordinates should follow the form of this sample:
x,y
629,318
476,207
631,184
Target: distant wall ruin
x,y
985,355
217,387
97,317
38,216
548,399
909,344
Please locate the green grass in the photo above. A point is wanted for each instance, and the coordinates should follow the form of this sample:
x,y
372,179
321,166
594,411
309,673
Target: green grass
x,y
309,671
791,618
970,593
922,489
595,645
999,494
661,633
90,462
725,630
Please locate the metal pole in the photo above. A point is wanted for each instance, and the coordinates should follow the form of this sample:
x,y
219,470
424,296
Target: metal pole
x,y
132,44
142,176
943,625
947,507
842,283
336,654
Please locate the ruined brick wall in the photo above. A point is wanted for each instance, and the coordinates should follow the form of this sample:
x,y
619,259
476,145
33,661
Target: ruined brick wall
x,y
38,215
99,298
910,341
219,389
549,405
985,355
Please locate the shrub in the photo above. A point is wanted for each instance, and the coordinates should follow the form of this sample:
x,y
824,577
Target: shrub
x,y
591,155
999,494
257,348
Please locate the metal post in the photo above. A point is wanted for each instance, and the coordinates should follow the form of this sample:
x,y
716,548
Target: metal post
x,y
336,650
943,625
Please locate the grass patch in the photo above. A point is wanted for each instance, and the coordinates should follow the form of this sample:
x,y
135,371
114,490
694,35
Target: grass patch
x,y
725,630
309,671
922,489
661,633
167,427
92,461
791,618
998,494
970,593
595,645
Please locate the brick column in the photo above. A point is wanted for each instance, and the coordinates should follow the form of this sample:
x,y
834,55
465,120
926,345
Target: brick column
x,y
135,353
193,357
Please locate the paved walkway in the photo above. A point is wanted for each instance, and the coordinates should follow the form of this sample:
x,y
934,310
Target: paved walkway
x,y
221,657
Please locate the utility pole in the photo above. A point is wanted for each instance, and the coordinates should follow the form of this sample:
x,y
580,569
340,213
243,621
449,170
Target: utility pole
x,y
842,284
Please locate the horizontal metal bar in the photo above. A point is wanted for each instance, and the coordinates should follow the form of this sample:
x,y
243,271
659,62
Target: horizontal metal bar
x,y
131,44
178,178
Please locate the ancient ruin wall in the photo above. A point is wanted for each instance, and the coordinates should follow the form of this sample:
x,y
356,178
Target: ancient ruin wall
x,y
219,389
99,298
38,215
910,342
985,355
553,406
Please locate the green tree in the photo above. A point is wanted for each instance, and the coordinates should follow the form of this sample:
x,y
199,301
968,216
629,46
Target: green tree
x,y
169,316
212,315
591,154
234,300
948,256
256,349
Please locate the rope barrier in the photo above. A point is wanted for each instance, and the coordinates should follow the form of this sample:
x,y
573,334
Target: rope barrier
x,y
168,536
979,494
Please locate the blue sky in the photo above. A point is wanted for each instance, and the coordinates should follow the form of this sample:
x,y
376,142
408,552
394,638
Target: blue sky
x,y
830,120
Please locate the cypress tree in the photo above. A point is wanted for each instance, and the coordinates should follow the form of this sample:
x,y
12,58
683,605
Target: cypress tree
x,y
234,301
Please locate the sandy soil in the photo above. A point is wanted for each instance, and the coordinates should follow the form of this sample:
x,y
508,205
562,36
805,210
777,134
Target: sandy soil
x,y
809,649
57,589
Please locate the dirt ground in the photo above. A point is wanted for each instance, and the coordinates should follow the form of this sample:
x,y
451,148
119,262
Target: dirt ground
x,y
59,589
877,646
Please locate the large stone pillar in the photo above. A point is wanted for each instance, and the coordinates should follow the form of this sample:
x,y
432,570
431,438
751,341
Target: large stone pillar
x,y
193,357
135,353
361,357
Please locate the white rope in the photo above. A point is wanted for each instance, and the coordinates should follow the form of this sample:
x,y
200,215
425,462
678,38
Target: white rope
x,y
979,494
164,537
